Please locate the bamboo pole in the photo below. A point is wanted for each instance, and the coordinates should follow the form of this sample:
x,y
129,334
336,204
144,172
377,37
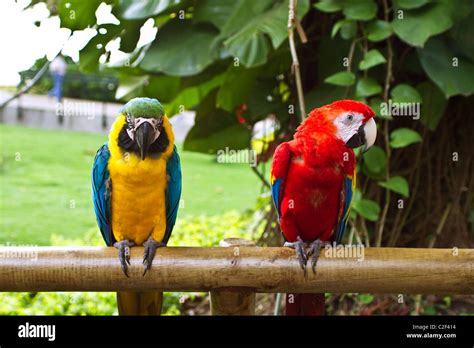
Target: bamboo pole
x,y
383,270
233,301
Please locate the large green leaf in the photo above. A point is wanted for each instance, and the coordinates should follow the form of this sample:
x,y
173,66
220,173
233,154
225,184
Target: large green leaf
x,y
249,42
397,184
130,86
378,30
367,86
402,137
415,27
164,88
372,58
215,129
216,12
375,159
437,60
434,104
329,6
133,9
181,48
410,4
191,96
348,28
362,10
367,208
343,78
404,93
91,52
251,49
462,33
236,87
77,14
130,35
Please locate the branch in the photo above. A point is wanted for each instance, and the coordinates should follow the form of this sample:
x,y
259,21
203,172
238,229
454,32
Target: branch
x,y
383,270
260,176
388,77
28,85
292,21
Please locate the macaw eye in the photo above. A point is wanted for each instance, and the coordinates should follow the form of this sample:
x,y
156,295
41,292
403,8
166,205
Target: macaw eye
x,y
350,117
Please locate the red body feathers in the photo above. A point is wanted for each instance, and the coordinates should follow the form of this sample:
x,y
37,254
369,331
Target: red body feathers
x,y
313,166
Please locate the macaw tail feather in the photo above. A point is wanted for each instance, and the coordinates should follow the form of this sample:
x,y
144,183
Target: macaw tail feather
x,y
139,303
305,304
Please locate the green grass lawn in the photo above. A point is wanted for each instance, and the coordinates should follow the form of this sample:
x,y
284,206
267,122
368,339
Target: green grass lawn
x,y
45,184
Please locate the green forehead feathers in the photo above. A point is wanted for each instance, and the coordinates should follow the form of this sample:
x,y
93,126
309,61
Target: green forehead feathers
x,y
144,107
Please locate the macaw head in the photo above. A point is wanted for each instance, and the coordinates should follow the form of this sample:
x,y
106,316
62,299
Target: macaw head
x,y
143,126
348,120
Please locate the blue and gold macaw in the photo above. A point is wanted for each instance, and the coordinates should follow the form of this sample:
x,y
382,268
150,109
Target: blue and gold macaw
x,y
136,185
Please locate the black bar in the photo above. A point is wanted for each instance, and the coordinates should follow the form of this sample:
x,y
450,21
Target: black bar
x,y
241,330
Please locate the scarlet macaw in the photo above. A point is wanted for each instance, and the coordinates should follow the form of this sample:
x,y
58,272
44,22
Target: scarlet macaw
x,y
136,185
313,179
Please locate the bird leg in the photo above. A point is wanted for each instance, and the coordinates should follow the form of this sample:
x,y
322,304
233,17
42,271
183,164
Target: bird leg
x,y
299,247
123,247
315,250
150,249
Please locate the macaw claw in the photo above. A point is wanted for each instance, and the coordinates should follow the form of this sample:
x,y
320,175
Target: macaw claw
x,y
123,247
150,249
314,251
299,247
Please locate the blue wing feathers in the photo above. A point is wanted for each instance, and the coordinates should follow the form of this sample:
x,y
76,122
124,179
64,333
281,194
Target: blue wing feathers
x,y
276,186
341,227
173,192
101,188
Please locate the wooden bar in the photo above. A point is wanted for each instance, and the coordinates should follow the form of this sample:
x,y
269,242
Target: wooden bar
x,y
382,270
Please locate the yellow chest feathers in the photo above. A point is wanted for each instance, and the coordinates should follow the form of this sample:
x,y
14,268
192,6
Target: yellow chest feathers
x,y
138,203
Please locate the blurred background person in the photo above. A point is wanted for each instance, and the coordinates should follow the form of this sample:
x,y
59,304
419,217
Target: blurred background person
x,y
58,69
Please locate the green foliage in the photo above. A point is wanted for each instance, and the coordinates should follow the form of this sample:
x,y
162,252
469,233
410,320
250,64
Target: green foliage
x,y
367,87
58,303
415,27
366,298
397,184
239,45
371,59
329,6
77,14
434,104
402,137
452,74
131,9
378,30
347,27
361,10
191,56
404,93
375,160
343,78
367,208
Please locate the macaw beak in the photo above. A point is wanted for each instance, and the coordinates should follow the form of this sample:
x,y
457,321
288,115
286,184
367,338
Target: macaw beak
x,y
366,135
144,136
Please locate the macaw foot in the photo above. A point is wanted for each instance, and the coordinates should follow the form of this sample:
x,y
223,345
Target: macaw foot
x,y
314,251
299,247
150,249
123,247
